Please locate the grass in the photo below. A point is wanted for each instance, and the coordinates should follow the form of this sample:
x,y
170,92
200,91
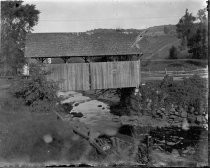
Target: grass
x,y
172,65
21,134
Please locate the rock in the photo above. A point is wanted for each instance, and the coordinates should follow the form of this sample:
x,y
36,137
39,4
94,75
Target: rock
x,y
170,121
76,104
196,113
191,118
99,105
163,109
103,108
192,109
185,125
172,116
190,150
116,118
176,112
160,112
67,107
177,120
183,113
175,153
79,114
199,119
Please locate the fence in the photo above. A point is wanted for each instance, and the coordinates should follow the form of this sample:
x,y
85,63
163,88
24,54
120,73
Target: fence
x,y
98,75
181,73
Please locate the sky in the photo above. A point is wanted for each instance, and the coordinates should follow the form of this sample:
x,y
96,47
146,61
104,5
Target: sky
x,y
83,15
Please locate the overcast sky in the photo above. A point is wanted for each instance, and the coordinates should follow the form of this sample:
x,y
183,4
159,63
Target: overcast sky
x,y
83,15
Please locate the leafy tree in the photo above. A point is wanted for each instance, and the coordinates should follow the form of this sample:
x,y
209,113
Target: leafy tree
x,y
193,33
185,27
173,53
17,19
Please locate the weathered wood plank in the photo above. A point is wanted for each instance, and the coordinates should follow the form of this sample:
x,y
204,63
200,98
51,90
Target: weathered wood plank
x,y
115,74
70,76
103,75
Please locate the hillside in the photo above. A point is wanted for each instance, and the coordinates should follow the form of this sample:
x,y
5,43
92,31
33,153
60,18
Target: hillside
x,y
155,44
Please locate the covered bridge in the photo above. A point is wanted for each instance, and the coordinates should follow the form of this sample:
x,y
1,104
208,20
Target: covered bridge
x,y
109,59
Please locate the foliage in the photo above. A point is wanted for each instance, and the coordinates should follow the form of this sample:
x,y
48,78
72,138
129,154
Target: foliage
x,y
185,27
173,53
186,94
36,91
197,43
17,20
193,33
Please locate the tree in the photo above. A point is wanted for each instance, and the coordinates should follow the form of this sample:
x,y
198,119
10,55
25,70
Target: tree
x,y
185,27
173,53
197,43
193,33
17,20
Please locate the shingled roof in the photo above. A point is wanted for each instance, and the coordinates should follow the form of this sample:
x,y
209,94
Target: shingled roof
x,y
79,44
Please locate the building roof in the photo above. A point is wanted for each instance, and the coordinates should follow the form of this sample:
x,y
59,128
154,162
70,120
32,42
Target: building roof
x,y
79,44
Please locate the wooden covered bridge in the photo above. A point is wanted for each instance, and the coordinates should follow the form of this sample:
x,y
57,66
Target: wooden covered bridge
x,y
89,60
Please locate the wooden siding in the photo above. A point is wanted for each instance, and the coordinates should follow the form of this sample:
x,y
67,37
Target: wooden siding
x,y
97,75
70,76
115,74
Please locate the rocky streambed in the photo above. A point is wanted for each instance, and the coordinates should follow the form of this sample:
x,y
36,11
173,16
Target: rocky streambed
x,y
94,113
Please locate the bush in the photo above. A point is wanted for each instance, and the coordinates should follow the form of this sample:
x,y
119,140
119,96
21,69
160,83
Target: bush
x,y
186,94
173,53
36,91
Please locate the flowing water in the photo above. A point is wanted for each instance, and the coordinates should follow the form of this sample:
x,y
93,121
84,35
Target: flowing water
x,y
96,114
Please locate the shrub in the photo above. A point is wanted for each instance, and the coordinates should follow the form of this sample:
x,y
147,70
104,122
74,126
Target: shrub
x,y
36,91
186,94
173,53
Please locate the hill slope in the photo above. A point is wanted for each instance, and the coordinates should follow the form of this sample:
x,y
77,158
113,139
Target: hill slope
x,y
155,42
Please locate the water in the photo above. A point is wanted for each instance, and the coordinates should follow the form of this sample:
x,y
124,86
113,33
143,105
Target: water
x,y
96,114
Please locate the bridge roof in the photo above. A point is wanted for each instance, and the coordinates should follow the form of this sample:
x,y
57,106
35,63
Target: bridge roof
x,y
80,44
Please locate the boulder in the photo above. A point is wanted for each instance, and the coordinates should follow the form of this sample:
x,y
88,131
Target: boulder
x,y
199,119
183,113
76,104
176,113
172,116
191,118
175,153
79,114
192,110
